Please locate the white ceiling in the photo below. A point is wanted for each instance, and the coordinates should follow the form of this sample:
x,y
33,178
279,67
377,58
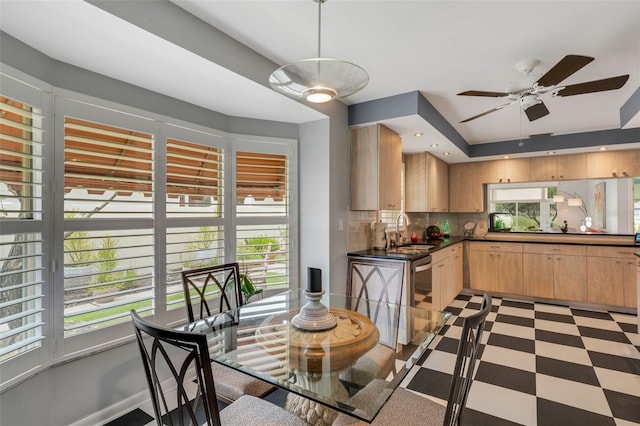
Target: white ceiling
x,y
439,48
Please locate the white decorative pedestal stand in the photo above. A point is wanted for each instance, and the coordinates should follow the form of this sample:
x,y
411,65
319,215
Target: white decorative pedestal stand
x,y
314,316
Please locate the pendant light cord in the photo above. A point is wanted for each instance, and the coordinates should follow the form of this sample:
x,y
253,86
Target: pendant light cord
x,y
319,24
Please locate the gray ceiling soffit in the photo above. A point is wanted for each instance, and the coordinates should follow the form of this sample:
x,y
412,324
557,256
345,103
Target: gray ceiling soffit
x,y
630,108
552,143
411,103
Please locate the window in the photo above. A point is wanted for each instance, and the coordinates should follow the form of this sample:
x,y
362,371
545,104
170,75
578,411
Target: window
x,y
262,194
22,286
531,207
102,206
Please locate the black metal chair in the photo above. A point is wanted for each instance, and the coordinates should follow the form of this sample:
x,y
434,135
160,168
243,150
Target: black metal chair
x,y
203,289
181,382
369,283
411,409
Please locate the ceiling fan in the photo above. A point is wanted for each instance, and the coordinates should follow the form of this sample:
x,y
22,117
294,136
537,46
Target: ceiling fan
x,y
526,91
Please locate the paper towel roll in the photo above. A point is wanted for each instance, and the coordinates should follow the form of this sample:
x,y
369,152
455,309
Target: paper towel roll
x,y
379,239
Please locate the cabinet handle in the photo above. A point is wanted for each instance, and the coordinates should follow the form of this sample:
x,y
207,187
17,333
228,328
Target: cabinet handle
x,y
495,247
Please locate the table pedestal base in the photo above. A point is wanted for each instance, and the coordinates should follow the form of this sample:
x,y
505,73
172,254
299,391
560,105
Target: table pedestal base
x,y
312,412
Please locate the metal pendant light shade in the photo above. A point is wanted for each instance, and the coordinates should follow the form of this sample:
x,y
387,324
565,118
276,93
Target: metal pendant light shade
x,y
319,79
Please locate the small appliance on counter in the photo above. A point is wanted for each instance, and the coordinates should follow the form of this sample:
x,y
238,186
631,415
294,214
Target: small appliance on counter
x,y
379,236
500,222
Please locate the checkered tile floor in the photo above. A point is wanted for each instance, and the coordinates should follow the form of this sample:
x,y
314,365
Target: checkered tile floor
x,y
540,365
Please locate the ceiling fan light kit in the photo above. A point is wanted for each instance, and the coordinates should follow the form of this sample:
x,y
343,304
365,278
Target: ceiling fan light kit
x,y
527,90
319,79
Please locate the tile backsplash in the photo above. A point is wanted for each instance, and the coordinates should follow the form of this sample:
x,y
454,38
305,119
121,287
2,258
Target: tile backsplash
x,y
361,228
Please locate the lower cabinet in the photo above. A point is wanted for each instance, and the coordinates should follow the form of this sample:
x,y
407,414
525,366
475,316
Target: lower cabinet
x,y
555,271
612,276
496,267
446,270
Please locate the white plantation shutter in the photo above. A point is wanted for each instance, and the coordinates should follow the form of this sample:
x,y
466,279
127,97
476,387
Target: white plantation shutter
x,y
22,289
108,227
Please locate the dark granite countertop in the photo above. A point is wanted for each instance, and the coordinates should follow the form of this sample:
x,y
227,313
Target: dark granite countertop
x,y
384,254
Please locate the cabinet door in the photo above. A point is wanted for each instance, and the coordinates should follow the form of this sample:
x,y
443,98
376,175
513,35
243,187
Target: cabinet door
x,y
630,287
602,164
570,278
482,270
364,168
390,169
437,185
415,182
456,274
571,166
466,191
537,273
440,280
629,163
516,170
492,171
605,281
508,267
542,168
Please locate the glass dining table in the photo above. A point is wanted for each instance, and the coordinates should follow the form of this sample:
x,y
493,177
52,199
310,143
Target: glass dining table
x,y
259,339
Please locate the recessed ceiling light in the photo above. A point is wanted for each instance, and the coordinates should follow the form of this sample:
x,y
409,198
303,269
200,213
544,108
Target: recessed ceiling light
x,y
551,152
506,157
603,148
433,145
445,153
418,134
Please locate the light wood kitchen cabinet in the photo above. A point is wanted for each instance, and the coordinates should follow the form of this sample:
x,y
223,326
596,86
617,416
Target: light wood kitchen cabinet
x,y
538,274
543,168
602,164
426,183
446,271
496,267
613,164
503,171
555,271
516,169
611,276
629,163
466,189
561,167
376,168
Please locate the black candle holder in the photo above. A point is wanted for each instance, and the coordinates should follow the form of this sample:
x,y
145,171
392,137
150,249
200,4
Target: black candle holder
x,y
314,316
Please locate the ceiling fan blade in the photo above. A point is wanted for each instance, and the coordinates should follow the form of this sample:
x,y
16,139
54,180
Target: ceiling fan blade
x,y
482,93
563,69
594,86
486,112
536,111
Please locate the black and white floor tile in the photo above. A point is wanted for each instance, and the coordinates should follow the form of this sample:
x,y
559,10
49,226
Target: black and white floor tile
x,y
539,364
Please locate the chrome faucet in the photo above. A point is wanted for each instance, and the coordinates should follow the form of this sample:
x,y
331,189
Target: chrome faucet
x,y
407,223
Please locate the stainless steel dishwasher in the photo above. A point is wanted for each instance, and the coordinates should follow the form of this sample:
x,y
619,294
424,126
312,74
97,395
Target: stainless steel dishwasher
x,y
421,279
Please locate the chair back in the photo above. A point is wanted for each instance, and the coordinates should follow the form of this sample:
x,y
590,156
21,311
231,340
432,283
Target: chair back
x,y
373,281
472,328
202,285
175,364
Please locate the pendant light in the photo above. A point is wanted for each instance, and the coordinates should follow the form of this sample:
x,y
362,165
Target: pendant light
x,y
319,79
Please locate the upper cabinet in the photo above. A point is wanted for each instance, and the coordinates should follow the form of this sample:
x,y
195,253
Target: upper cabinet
x,y
613,164
503,171
466,191
376,168
426,183
560,167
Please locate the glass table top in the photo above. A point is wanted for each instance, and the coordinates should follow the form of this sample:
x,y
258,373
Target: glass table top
x,y
329,366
